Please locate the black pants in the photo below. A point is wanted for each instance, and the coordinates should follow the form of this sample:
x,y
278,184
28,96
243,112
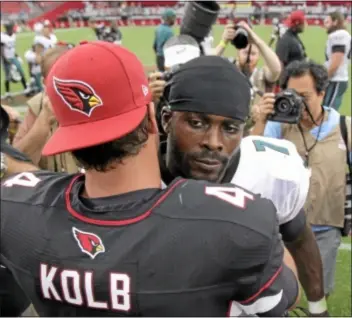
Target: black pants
x,y
160,61
13,301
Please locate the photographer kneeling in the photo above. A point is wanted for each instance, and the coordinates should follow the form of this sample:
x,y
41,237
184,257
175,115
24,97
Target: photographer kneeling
x,y
297,115
250,47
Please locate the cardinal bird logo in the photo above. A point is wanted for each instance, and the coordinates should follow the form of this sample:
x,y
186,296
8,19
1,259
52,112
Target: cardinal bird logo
x,y
77,95
89,243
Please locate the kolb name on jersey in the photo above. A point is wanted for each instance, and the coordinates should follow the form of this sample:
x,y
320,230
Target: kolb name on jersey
x,y
77,288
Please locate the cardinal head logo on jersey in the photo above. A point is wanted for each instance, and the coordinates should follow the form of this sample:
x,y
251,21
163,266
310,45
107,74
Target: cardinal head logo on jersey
x,y
77,95
89,243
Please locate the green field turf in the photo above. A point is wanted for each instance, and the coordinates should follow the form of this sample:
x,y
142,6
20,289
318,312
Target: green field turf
x,y
140,39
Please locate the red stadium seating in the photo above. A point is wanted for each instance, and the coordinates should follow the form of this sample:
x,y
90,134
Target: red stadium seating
x,y
13,7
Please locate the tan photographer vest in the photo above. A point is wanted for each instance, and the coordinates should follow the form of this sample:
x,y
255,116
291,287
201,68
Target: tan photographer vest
x,y
326,198
59,163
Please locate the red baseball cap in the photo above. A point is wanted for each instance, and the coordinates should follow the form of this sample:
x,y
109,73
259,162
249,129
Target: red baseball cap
x,y
297,17
99,93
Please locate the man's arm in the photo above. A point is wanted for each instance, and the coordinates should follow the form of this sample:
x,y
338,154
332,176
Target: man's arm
x,y
14,161
300,241
269,285
33,141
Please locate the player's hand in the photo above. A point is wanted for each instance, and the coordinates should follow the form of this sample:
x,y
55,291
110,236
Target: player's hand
x,y
156,86
47,112
229,33
264,108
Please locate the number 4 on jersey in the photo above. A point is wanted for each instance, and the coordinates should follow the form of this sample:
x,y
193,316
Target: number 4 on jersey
x,y
24,179
235,196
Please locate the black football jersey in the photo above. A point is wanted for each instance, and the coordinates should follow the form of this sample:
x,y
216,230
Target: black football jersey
x,y
193,249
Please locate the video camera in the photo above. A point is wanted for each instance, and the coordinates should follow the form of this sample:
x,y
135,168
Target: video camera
x,y
288,107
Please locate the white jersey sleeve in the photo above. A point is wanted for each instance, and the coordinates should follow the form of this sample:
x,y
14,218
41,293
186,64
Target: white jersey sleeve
x,y
30,56
274,169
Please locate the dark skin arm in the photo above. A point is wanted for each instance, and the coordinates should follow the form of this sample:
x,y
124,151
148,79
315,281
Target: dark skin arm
x,y
306,254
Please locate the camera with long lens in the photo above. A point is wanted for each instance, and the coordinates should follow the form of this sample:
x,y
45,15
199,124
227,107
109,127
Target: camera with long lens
x,y
288,107
198,19
240,41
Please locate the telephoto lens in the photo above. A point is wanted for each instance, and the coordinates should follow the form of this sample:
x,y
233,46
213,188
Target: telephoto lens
x,y
240,40
198,19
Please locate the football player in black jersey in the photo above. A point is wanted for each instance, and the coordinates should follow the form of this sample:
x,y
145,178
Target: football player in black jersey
x,y
112,242
204,121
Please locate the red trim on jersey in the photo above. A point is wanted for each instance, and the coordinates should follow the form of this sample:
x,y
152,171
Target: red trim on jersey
x,y
141,217
267,285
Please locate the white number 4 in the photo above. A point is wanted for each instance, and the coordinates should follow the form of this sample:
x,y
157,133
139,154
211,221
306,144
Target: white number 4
x,y
24,179
235,196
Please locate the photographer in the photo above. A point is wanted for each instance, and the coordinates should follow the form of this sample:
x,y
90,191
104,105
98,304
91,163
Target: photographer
x,y
318,138
262,79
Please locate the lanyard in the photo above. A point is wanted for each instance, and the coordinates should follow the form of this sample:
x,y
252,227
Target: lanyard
x,y
309,149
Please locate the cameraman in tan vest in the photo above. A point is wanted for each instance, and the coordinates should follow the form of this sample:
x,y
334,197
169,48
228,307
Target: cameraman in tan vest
x,y
319,140
39,123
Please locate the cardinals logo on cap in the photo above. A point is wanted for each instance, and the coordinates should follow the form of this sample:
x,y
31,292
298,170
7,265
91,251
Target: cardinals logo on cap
x,y
89,243
77,95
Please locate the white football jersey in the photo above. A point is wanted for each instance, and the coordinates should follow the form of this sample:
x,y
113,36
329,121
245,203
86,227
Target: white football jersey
x,y
46,42
9,43
339,38
30,57
274,169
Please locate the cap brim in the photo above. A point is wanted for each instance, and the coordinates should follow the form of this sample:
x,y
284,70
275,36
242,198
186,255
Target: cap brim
x,y
69,138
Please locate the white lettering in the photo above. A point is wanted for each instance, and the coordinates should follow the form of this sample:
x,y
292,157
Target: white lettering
x,y
89,293
24,179
74,285
120,292
74,298
235,196
46,281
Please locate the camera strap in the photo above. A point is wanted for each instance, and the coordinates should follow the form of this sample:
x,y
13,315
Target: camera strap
x,y
309,149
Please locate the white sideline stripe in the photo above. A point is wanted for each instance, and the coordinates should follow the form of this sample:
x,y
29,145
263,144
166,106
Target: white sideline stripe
x,y
345,247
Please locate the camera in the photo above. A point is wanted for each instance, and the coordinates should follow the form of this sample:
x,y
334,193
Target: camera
x,y
288,107
198,19
240,40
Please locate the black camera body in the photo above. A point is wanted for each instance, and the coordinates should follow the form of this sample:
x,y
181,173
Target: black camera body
x,y
288,107
240,41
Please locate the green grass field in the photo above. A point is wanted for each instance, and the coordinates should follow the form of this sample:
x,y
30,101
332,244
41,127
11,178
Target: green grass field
x,y
140,39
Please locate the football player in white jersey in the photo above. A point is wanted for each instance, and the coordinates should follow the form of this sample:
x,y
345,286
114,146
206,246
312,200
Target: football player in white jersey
x,y
10,58
338,58
47,38
34,57
279,29
207,108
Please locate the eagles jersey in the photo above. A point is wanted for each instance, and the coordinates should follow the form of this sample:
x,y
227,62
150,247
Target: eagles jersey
x,y
46,42
339,41
9,44
34,67
274,169
192,249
